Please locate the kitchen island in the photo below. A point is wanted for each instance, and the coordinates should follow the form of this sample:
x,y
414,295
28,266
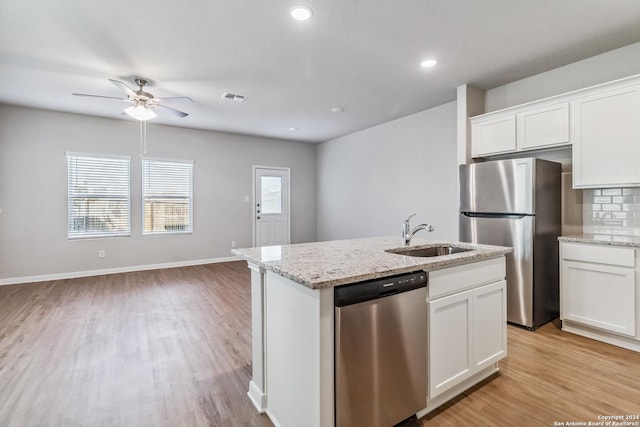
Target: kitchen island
x,y
292,296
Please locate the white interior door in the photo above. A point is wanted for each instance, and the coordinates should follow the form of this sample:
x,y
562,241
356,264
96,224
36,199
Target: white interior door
x,y
271,208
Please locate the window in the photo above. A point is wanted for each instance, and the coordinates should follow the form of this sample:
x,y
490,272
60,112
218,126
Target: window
x,y
271,187
167,196
98,196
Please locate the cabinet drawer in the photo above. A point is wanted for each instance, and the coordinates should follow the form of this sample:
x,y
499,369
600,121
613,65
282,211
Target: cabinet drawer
x,y
600,254
454,279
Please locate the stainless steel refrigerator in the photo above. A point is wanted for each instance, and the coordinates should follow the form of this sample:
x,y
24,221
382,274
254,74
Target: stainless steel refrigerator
x,y
516,203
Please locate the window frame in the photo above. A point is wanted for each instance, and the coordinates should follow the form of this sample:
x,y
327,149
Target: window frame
x,y
143,196
115,196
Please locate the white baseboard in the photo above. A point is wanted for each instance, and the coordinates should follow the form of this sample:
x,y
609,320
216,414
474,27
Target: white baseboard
x,y
257,397
128,269
446,396
630,343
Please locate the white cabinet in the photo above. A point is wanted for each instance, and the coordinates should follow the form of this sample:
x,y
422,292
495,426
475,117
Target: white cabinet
x,y
601,296
493,136
520,129
598,292
489,305
468,328
606,132
601,123
543,127
450,342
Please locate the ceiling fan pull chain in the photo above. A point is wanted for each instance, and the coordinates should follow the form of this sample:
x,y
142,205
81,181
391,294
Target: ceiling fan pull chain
x,y
143,138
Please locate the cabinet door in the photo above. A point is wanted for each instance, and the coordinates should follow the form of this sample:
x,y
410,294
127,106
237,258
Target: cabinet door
x,y
606,139
493,136
597,295
489,305
543,127
450,342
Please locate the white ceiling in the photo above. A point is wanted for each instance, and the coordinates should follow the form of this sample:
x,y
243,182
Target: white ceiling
x,y
362,55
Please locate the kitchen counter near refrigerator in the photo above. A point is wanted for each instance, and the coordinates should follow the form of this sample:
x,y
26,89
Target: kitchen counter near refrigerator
x,y
293,320
603,239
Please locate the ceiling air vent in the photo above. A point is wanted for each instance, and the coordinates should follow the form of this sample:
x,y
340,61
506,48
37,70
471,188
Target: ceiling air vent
x,y
234,97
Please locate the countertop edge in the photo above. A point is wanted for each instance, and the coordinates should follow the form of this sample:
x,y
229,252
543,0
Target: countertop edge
x,y
484,252
599,241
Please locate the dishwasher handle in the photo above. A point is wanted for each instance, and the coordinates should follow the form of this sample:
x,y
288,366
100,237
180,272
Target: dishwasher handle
x,y
378,288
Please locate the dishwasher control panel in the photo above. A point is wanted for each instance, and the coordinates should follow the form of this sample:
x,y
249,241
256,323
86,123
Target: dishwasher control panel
x,y
379,288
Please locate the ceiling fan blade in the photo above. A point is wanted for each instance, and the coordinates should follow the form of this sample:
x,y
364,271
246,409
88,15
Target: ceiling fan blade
x,y
175,98
100,96
174,111
124,87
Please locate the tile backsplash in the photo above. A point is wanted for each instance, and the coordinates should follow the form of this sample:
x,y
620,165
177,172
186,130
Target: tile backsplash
x,y
610,212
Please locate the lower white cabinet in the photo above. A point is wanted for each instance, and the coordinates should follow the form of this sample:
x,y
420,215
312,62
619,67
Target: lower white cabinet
x,y
467,333
598,292
601,296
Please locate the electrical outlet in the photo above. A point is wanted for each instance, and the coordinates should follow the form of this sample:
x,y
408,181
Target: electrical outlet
x,y
102,253
233,243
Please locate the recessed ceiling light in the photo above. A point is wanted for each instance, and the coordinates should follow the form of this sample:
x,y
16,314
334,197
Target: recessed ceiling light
x,y
428,63
337,110
300,13
292,129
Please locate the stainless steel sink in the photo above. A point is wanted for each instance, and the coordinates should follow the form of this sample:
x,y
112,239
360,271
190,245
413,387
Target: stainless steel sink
x,y
430,251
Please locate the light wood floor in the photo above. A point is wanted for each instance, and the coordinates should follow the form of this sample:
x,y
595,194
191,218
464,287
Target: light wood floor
x,y
173,348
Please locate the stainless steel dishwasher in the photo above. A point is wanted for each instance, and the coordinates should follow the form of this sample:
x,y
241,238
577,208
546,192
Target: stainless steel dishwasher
x,y
381,350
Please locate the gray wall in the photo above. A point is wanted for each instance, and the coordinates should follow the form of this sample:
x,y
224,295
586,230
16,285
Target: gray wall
x,y
33,192
598,69
369,181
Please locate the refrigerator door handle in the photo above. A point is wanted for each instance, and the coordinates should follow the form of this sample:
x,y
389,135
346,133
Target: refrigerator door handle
x,y
493,215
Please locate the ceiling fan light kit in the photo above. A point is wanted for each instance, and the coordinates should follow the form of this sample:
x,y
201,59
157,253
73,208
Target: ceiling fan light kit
x,y
139,111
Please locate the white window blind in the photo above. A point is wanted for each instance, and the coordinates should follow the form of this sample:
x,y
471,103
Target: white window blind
x,y
98,196
167,196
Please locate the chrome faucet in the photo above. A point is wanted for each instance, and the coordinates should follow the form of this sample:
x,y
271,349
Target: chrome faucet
x,y
408,233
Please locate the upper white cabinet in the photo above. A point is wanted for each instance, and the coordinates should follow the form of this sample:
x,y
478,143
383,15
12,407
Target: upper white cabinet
x,y
493,136
606,132
602,123
543,127
520,130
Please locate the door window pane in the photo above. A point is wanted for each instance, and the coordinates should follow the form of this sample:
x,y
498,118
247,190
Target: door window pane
x,y
271,194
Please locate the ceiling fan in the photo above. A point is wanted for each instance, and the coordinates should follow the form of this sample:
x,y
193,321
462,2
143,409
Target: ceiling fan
x,y
142,103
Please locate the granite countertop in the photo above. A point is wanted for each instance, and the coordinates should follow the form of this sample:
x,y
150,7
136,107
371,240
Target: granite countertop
x,y
603,239
325,264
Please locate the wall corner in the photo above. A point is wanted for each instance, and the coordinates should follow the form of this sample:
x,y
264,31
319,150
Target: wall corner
x,y
470,102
